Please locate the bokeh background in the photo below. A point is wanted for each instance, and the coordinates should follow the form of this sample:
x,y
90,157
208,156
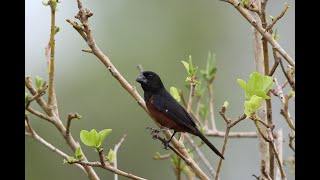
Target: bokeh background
x,y
157,34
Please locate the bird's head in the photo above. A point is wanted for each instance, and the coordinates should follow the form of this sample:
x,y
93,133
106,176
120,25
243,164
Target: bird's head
x,y
150,81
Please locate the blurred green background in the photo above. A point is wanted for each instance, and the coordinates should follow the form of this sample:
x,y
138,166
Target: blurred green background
x,y
157,34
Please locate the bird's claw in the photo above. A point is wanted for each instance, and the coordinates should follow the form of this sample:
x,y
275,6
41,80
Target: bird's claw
x,y
166,144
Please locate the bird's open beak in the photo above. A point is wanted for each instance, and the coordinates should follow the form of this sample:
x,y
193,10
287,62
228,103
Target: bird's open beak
x,y
141,79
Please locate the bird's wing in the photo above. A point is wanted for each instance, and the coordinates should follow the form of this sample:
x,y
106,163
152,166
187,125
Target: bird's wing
x,y
166,104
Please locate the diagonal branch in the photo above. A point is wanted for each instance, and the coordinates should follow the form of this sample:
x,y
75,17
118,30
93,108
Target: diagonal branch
x,y
261,30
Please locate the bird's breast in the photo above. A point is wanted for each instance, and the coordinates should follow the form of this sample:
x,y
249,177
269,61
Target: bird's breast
x,y
161,117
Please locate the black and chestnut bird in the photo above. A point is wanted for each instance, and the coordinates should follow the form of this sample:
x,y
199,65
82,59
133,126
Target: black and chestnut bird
x,y
166,110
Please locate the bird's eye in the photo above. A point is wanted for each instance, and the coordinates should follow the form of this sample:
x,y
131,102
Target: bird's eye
x,y
150,75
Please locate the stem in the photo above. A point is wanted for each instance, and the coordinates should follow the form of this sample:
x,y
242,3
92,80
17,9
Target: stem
x,y
52,101
211,108
116,147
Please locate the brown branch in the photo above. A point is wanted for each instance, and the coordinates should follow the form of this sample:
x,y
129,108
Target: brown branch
x,y
162,156
39,93
80,30
115,150
39,114
288,74
107,167
33,91
291,138
275,152
260,131
262,31
70,117
52,100
230,124
263,170
275,20
285,110
276,62
232,134
83,16
279,145
35,136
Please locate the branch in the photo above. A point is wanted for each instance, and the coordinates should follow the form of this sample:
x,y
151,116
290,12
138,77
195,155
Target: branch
x,y
70,117
261,30
52,100
211,108
83,16
232,134
291,138
276,62
285,110
35,136
274,21
288,75
116,147
230,124
279,145
39,114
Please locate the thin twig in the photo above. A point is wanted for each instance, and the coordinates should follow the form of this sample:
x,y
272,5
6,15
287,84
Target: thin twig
x,y
39,114
231,134
140,68
35,136
275,20
263,170
279,145
87,50
261,30
288,75
230,124
70,117
116,147
211,108
276,62
291,138
275,152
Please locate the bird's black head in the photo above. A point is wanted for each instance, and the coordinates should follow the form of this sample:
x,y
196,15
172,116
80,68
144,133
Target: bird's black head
x,y
150,81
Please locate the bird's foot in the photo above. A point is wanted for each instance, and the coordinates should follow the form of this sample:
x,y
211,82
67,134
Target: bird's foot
x,y
155,131
166,144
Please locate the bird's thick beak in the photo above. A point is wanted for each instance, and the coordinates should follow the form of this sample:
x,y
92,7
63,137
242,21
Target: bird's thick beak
x,y
141,79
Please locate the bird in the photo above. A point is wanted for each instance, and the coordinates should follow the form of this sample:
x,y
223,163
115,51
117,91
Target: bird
x,y
166,110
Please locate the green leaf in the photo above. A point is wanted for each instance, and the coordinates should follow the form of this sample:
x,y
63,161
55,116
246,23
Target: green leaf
x,y
276,35
267,83
85,138
45,3
272,18
26,97
175,93
56,29
261,93
253,105
191,70
79,154
186,65
39,82
111,156
242,84
71,159
95,138
200,90
103,134
226,104
65,161
245,3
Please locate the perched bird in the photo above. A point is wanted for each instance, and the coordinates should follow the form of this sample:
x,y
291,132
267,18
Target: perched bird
x,y
166,110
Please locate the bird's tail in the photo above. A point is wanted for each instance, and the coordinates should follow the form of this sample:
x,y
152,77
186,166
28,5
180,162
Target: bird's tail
x,y
214,149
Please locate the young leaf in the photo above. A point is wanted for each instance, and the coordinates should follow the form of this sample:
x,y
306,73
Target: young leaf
x,y
175,93
226,104
95,138
276,35
79,154
186,65
56,29
272,18
261,93
103,134
54,4
65,161
256,102
267,83
111,156
45,3
253,105
39,82
191,70
85,138
242,84
71,159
